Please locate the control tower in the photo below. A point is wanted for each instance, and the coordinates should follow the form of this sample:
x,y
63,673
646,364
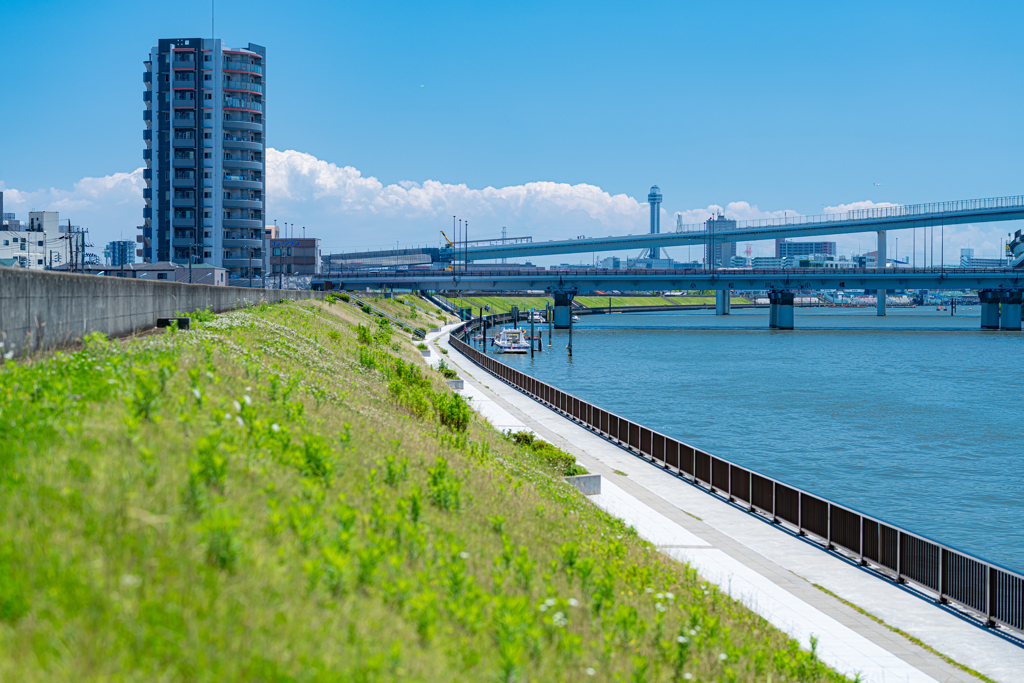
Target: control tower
x,y
654,199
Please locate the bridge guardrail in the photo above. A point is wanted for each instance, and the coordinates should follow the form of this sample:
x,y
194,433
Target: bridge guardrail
x,y
795,273
987,590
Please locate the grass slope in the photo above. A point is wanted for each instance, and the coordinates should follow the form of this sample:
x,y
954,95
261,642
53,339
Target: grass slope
x,y
287,494
502,304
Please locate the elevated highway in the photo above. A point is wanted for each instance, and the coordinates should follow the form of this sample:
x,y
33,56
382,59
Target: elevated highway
x,y
880,219
998,288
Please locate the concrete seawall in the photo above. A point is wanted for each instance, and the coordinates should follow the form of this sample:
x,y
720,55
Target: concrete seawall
x,y
42,309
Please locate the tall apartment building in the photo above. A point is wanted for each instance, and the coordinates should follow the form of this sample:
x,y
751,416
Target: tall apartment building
x,y
205,155
722,252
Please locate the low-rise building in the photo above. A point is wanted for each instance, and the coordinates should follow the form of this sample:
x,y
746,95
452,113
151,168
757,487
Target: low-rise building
x,y
295,256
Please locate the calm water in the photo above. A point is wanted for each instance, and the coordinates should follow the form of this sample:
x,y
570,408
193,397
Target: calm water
x,y
916,417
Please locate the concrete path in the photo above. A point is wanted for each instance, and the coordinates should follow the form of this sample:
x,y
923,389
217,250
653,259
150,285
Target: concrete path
x,y
773,572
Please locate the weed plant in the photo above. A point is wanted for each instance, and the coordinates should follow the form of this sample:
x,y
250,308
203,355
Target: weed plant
x,y
286,494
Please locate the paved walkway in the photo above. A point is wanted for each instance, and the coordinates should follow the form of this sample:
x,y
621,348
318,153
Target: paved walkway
x,y
772,572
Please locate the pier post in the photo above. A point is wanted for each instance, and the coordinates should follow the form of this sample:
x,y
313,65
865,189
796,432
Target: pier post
x,y
722,301
1010,316
773,310
533,342
989,309
785,315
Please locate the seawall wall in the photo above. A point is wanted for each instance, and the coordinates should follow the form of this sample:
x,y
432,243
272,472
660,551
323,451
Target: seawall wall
x,y
43,309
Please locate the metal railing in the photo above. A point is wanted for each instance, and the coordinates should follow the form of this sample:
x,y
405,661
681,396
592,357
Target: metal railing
x,y
989,591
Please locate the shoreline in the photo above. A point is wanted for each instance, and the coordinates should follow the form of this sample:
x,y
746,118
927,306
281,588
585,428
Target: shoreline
x,y
778,575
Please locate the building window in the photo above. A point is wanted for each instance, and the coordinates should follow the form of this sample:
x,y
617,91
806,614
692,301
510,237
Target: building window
x,y
207,195
39,262
277,252
207,136
207,214
39,243
207,174
161,276
207,77
206,155
207,116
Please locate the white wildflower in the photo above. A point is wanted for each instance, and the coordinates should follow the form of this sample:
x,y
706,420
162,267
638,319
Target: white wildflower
x,y
237,405
693,632
10,354
682,639
248,399
559,620
464,555
723,656
573,602
275,427
688,676
130,580
670,596
198,394
591,671
648,590
240,421
660,607
543,607
227,416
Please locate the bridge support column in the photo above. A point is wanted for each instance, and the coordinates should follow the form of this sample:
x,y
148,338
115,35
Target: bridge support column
x,y
723,302
563,308
989,309
880,261
1010,316
773,310
785,316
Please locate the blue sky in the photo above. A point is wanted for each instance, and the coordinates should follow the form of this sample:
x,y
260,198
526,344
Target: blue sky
x,y
562,108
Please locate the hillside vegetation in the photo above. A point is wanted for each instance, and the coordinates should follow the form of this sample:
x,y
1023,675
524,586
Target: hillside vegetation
x,y
286,493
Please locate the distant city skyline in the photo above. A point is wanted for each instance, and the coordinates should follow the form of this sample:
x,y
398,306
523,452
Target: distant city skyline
x,y
389,119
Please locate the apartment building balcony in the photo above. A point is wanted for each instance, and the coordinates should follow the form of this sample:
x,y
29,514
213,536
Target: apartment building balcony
x,y
183,182
247,165
183,203
183,223
246,244
241,103
243,204
183,163
230,183
242,223
241,66
183,142
242,86
233,122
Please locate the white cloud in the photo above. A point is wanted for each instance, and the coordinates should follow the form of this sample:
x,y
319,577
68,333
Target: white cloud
x,y
349,210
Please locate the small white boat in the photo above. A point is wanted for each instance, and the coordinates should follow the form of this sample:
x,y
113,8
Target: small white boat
x,y
511,341
575,318
537,318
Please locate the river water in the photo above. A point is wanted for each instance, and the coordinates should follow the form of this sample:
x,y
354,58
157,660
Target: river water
x,y
915,418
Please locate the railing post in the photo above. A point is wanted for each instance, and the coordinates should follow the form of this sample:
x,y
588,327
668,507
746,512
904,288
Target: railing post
x,y
775,498
862,561
750,489
942,576
899,556
828,539
800,514
989,601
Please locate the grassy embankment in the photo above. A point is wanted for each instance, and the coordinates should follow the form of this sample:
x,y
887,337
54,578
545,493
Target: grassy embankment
x,y
418,312
502,304
287,493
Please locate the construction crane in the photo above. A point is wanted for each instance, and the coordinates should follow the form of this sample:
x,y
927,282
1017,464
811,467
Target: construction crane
x,y
451,245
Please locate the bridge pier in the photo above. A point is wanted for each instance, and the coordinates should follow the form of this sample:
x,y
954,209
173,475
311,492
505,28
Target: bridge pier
x,y
780,310
723,301
1010,316
880,261
989,309
563,307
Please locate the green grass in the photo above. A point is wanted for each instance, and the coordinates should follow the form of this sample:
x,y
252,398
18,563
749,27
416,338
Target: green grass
x,y
705,300
418,312
502,304
602,301
287,493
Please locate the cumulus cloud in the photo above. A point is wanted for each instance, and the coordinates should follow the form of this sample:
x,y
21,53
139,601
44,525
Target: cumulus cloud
x,y
110,206
348,210
351,208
